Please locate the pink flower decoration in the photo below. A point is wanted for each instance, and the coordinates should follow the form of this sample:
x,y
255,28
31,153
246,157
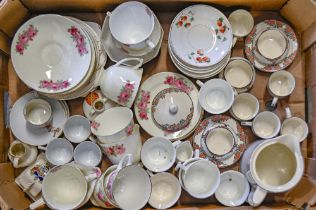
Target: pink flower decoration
x,y
23,39
129,86
129,130
50,85
145,96
142,105
19,48
143,115
120,149
79,39
126,93
169,80
95,125
179,83
115,150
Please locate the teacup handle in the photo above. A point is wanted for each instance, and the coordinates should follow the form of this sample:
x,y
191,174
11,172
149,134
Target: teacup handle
x,y
140,62
274,101
246,123
93,175
176,143
125,161
150,43
42,148
179,166
199,83
15,162
108,13
235,40
288,113
37,204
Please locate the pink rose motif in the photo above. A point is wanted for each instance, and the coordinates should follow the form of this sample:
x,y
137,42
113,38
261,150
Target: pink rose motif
x,y
19,48
109,150
143,115
95,125
169,80
179,83
129,130
129,86
31,32
23,39
142,105
65,84
145,96
73,30
123,97
120,149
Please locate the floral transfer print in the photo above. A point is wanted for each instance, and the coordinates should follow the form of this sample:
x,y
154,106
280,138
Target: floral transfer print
x,y
129,129
199,56
221,29
95,125
79,39
39,171
126,93
185,20
51,85
24,38
142,102
178,83
103,198
115,150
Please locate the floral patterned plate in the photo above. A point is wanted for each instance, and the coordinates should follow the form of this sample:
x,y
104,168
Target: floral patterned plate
x,y
256,31
240,133
51,58
144,101
200,35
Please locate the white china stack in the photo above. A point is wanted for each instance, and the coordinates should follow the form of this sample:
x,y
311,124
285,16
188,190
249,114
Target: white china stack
x,y
61,60
200,41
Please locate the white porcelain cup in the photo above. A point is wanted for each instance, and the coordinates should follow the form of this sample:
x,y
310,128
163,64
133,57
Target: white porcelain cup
x,y
38,112
98,106
216,96
233,189
239,73
77,129
294,126
184,151
88,153
166,190
113,124
129,145
245,107
200,178
19,152
241,22
64,187
265,125
59,151
120,83
281,84
132,24
158,154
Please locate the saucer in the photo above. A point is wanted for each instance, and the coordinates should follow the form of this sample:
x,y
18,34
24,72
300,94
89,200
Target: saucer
x,y
117,53
35,136
240,134
31,158
144,101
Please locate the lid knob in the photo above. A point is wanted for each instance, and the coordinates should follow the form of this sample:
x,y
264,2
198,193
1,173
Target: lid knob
x,y
173,109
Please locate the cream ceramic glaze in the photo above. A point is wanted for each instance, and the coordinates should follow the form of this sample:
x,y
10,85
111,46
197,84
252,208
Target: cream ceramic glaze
x,y
20,153
271,44
220,141
88,154
158,154
120,82
77,128
233,189
295,126
241,22
184,151
38,112
276,165
245,107
113,124
166,190
216,95
132,24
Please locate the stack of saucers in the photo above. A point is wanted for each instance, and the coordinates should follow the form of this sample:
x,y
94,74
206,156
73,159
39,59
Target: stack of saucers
x,y
200,41
61,60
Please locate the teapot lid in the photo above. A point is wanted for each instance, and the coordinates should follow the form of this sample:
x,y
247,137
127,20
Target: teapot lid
x,y
172,109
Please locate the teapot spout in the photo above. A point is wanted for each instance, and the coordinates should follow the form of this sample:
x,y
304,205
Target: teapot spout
x,y
291,142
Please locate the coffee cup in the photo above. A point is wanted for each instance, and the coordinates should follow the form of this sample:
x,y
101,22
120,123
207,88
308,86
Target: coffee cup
x,y
58,152
77,129
88,153
184,151
38,112
132,24
281,84
245,107
294,126
265,125
19,152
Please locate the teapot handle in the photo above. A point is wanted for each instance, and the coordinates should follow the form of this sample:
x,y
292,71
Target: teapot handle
x,y
140,62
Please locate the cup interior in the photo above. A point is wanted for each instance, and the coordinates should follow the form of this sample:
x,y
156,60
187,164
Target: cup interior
x,y
219,141
295,126
166,190
158,154
271,44
131,23
87,154
37,112
17,150
64,187
98,105
77,129
238,73
241,22
184,152
59,152
245,106
281,83
266,125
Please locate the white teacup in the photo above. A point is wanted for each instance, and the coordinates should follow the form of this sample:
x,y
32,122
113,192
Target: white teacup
x,y
77,129
87,153
38,112
184,151
120,83
241,22
245,107
58,152
166,190
281,84
266,125
239,73
216,95
132,24
294,126
158,154
113,125
233,189
19,152
200,178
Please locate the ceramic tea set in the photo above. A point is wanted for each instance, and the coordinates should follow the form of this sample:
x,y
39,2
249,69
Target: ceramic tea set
x,y
62,152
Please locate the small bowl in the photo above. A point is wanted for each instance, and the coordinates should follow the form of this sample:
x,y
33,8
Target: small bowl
x,y
77,129
88,153
59,151
233,189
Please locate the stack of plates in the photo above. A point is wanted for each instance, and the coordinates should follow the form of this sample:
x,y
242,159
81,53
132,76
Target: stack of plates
x,y
200,41
61,60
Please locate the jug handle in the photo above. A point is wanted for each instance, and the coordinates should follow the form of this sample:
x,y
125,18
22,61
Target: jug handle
x,y
140,62
256,196
37,204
